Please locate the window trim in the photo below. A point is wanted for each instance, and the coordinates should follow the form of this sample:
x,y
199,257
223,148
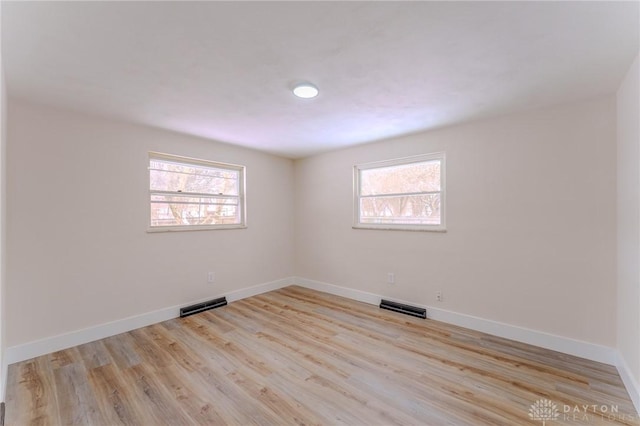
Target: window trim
x,y
242,191
399,162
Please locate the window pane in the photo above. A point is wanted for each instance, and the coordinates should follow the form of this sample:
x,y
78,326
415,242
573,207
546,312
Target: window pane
x,y
182,211
407,178
167,176
406,210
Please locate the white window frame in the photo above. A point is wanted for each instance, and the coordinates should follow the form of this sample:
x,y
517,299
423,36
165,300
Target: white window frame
x,y
400,162
242,202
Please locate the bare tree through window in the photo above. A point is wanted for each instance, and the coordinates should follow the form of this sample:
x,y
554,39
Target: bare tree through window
x,y
187,192
401,192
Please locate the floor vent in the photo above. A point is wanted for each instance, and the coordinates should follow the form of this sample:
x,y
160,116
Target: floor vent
x,y
201,307
403,309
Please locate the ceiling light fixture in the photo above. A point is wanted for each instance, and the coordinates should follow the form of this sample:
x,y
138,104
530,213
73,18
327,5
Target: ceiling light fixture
x,y
305,91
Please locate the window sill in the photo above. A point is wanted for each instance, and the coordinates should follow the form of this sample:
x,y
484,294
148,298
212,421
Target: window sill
x,y
400,228
193,228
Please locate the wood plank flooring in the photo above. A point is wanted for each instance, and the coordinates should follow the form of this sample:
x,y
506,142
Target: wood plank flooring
x,y
296,356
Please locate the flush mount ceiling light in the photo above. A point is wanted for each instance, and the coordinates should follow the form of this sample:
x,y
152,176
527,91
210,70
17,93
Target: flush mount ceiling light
x,y
305,90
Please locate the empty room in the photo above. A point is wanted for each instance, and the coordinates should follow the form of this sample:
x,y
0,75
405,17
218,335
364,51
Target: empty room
x,y
320,213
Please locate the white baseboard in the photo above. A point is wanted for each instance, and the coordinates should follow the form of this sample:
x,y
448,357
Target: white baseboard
x,y
63,341
629,381
349,293
258,289
565,345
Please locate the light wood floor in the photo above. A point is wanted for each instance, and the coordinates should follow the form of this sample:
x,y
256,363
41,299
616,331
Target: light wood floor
x,y
295,356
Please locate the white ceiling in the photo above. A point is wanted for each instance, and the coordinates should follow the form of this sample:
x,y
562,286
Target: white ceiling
x,y
223,70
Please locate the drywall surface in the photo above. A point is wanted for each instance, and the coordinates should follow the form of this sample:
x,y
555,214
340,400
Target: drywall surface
x,y
531,222
3,203
78,247
628,134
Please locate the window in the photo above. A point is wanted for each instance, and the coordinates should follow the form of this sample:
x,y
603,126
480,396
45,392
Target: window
x,y
190,194
406,193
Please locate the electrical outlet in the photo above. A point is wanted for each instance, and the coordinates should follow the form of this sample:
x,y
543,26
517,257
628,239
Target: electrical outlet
x,y
211,277
391,278
439,296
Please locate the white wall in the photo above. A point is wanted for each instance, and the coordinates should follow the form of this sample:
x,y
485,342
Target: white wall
x,y
628,134
3,145
530,216
77,214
